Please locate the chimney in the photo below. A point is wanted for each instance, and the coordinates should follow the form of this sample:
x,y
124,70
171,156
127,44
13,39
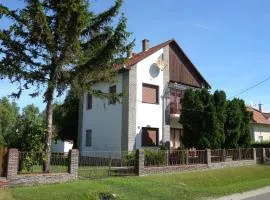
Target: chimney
x,y
129,53
145,45
260,107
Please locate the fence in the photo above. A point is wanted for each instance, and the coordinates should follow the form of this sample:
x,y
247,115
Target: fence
x,y
121,163
104,164
32,162
174,157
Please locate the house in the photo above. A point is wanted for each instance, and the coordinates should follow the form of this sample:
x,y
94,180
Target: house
x,y
153,82
60,146
260,124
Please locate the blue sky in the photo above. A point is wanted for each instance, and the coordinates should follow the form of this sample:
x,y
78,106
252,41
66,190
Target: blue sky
x,y
228,41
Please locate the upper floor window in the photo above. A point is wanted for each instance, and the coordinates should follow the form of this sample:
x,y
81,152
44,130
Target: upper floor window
x,y
89,101
112,91
150,93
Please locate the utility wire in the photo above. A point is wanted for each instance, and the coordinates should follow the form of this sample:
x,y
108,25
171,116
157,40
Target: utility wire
x,y
251,87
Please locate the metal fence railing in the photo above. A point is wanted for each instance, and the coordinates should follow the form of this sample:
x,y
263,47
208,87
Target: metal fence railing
x,y
32,162
102,164
154,158
218,155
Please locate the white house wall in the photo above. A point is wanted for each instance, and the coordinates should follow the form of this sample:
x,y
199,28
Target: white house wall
x,y
104,120
148,115
261,130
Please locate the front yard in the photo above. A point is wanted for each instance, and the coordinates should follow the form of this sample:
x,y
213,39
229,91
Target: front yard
x,y
188,185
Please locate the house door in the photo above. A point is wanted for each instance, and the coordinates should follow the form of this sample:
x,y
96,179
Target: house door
x,y
175,139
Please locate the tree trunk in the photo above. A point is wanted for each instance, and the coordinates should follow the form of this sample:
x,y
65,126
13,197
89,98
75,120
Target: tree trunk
x,y
49,116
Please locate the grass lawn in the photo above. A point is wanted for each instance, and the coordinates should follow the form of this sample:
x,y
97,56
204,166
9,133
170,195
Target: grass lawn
x,y
188,185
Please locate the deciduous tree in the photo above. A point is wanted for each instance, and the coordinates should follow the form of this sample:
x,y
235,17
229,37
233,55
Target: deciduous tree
x,y
55,44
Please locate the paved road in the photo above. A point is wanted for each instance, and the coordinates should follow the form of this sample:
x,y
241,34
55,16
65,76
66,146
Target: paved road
x,y
260,197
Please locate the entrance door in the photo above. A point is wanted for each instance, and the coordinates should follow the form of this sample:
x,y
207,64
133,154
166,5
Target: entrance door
x,y
175,138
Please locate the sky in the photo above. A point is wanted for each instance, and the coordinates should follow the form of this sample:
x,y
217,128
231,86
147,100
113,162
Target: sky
x,y
228,41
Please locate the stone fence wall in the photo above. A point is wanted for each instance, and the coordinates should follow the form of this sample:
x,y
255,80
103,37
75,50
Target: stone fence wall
x,y
143,170
15,179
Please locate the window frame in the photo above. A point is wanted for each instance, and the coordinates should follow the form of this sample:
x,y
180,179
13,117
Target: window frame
x,y
88,105
88,131
157,92
157,136
112,90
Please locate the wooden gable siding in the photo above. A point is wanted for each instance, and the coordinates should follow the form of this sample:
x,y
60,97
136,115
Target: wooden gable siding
x,y
181,70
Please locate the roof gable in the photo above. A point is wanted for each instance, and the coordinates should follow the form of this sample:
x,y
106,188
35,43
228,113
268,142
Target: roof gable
x,y
258,117
142,55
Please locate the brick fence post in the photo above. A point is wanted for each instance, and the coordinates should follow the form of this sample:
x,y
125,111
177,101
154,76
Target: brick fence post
x,y
208,156
254,154
13,163
73,162
263,155
140,162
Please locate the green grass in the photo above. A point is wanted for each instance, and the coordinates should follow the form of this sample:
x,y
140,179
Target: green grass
x,y
184,186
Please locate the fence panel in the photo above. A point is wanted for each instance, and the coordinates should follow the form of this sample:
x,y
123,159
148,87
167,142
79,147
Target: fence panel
x,y
32,162
104,164
3,161
247,154
217,155
196,157
178,157
267,152
259,154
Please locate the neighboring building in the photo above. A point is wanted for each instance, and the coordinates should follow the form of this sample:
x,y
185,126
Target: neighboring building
x,y
153,82
60,146
260,125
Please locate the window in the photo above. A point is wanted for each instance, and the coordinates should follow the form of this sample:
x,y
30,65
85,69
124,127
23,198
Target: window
x,y
149,93
89,101
260,138
149,137
88,139
112,91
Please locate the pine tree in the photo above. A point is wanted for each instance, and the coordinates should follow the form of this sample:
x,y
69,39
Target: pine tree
x,y
52,45
233,124
220,103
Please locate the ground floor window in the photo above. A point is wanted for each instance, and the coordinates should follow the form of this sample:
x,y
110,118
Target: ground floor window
x,y
88,139
149,137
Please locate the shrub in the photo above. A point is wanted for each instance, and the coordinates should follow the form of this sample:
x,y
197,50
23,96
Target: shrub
x,y
154,157
265,144
130,158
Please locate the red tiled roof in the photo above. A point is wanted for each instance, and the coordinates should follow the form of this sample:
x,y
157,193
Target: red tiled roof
x,y
267,115
258,117
142,55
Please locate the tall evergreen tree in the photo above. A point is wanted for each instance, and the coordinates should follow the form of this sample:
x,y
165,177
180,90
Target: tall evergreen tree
x,y
210,137
9,113
233,124
54,44
245,136
220,103
191,119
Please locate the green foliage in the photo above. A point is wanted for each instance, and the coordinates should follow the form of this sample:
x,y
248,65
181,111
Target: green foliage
x,y
130,159
56,45
30,133
211,121
206,184
263,144
8,117
65,118
154,157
